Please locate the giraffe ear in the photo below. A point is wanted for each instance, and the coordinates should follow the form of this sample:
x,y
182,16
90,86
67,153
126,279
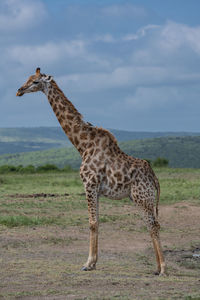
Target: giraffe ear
x,y
37,72
47,78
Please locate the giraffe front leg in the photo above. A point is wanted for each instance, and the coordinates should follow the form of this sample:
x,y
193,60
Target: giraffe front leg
x,y
92,199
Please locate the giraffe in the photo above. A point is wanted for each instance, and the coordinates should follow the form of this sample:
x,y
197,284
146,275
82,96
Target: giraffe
x,y
105,169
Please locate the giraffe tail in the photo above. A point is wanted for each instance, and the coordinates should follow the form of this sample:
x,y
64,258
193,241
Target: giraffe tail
x,y
157,186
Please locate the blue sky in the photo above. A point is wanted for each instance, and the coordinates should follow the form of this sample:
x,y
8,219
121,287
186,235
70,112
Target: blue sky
x,y
132,65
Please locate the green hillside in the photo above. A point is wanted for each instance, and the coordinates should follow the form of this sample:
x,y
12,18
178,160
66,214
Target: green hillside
x,y
60,157
182,152
17,140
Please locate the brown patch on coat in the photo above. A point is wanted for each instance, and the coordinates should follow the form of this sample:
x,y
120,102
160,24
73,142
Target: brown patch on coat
x,y
83,136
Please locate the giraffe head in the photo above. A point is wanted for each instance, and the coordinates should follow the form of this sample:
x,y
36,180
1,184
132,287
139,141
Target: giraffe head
x,y
35,83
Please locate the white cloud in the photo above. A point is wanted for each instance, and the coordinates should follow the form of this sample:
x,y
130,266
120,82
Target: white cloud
x,y
20,14
168,43
140,33
128,78
125,10
175,36
146,98
153,63
56,54
173,47
49,52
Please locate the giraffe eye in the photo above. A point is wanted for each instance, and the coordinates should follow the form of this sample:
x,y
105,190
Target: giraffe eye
x,y
35,82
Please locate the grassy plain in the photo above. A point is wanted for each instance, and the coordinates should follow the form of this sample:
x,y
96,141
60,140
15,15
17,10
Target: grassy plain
x,y
44,240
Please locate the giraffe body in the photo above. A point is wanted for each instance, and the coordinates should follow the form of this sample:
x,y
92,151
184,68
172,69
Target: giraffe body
x,y
105,170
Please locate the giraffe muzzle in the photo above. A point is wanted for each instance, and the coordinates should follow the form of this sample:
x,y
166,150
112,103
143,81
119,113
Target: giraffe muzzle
x,y
20,92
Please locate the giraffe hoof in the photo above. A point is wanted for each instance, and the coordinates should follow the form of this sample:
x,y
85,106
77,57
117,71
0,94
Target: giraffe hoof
x,y
84,268
157,273
162,274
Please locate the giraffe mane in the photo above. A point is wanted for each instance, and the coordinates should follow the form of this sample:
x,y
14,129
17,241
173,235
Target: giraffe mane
x,y
54,84
107,132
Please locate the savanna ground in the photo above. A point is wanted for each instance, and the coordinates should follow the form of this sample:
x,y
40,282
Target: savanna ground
x,y
44,239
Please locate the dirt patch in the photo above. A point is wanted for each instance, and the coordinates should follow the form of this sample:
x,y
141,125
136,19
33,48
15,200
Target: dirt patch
x,y
44,262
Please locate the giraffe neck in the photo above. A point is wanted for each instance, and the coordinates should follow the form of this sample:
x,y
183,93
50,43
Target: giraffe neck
x,y
68,116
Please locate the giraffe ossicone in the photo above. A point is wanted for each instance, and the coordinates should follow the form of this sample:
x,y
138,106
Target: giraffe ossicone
x,y
105,169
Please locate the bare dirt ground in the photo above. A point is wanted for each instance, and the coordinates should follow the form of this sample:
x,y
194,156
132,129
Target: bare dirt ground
x,y
44,262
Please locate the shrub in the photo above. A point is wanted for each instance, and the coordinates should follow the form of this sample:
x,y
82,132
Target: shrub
x,y
28,169
47,167
67,168
31,169
160,162
7,169
19,168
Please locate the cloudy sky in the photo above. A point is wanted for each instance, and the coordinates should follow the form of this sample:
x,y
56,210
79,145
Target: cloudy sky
x,y
132,65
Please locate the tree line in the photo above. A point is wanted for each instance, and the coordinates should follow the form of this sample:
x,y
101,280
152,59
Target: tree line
x,y
30,169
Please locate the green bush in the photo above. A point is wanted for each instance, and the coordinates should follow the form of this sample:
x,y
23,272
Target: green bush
x,y
19,168
47,167
28,169
160,162
7,169
67,168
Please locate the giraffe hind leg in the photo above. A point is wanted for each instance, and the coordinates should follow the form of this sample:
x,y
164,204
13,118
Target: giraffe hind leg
x,y
159,255
146,208
153,228
157,258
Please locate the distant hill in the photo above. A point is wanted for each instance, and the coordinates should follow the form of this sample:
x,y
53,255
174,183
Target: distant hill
x,y
182,152
16,140
122,135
